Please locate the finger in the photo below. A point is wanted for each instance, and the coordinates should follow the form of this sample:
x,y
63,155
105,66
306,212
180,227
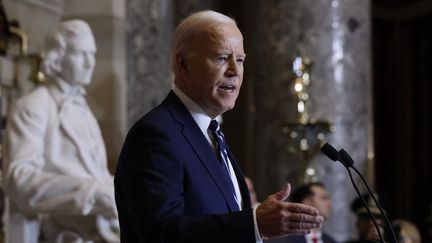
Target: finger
x,y
283,194
301,225
296,231
298,228
301,208
299,217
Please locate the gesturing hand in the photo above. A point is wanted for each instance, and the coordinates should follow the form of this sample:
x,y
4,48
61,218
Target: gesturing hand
x,y
276,217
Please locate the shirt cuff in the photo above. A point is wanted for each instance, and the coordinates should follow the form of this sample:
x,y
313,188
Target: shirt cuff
x,y
258,238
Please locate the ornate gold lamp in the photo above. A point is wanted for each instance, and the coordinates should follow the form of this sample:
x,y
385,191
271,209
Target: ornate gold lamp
x,y
306,135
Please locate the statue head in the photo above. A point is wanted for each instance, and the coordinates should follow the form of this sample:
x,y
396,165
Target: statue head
x,y
70,53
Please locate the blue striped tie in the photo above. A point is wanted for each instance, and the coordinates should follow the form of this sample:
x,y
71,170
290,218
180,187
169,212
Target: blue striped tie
x,y
222,149
221,145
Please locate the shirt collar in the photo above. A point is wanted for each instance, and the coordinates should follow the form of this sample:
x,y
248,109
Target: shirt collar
x,y
198,114
317,234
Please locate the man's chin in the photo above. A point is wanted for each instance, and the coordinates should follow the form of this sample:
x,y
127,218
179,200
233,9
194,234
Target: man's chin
x,y
226,108
230,105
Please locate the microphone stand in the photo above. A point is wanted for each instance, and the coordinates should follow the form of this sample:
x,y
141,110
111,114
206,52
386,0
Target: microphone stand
x,y
347,166
346,160
346,157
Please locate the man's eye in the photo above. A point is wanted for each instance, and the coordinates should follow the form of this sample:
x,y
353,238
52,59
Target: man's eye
x,y
221,58
240,60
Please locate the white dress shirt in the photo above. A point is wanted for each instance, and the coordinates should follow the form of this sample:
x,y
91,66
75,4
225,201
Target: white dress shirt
x,y
311,236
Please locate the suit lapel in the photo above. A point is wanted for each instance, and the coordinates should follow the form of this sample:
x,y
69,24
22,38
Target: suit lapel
x,y
202,148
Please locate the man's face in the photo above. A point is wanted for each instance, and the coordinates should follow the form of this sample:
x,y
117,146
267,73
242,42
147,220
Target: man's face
x,y
366,227
320,200
214,71
78,61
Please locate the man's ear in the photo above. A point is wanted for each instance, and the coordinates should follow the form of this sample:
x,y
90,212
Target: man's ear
x,y
181,63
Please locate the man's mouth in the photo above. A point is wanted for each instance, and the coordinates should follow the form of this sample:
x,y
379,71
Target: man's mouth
x,y
227,87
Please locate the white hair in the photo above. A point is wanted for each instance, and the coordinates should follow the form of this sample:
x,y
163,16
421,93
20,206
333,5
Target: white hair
x,y
191,27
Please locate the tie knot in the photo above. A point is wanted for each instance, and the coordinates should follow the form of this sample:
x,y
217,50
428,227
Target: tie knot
x,y
214,125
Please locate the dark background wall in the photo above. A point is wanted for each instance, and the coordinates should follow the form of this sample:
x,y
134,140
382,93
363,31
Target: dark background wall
x,y
402,50
402,73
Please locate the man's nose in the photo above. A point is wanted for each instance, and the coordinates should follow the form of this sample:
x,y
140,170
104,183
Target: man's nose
x,y
233,68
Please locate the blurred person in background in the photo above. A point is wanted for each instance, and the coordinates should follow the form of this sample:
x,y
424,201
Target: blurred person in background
x,y
364,224
408,232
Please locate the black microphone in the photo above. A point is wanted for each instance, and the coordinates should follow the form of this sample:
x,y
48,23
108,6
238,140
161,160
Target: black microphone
x,y
334,155
330,152
347,159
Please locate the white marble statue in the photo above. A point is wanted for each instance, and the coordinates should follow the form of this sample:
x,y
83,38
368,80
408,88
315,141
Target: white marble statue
x,y
55,169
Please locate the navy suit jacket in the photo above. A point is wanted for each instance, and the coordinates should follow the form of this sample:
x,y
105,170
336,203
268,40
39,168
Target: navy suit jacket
x,y
170,186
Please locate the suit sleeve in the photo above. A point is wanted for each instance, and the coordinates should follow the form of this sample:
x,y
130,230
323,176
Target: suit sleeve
x,y
149,196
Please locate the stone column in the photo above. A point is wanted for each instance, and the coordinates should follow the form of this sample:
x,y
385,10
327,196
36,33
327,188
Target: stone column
x,y
149,34
150,26
186,7
107,92
335,35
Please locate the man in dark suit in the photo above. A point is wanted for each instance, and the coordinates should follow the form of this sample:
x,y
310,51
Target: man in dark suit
x,y
176,179
315,195
366,228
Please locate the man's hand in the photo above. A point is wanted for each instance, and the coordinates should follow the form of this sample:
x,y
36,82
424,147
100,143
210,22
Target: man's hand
x,y
276,217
